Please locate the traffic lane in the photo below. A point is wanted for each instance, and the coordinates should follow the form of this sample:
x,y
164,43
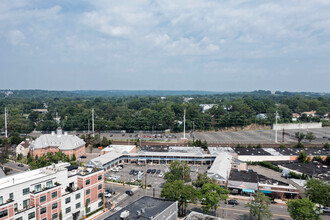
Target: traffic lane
x,y
241,211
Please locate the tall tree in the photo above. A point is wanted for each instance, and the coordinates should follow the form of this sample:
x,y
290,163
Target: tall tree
x,y
179,170
301,209
259,207
210,196
318,191
310,136
176,190
202,179
300,136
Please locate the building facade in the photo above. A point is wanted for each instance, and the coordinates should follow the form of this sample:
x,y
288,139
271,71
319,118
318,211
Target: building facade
x,y
51,191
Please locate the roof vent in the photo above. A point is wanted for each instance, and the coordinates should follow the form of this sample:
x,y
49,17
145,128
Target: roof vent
x,y
143,210
59,131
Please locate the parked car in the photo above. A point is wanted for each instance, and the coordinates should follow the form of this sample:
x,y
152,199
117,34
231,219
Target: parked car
x,y
326,210
116,178
83,156
149,171
129,192
131,172
110,191
232,202
158,172
153,171
107,195
161,175
141,172
136,172
20,165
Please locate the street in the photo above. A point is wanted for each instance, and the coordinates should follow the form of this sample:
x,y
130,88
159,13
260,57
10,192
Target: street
x,y
121,199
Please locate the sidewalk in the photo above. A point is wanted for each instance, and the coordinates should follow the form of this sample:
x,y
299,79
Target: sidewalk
x,y
248,199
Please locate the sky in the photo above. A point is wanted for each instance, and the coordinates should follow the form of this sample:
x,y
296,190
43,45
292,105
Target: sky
x,y
217,45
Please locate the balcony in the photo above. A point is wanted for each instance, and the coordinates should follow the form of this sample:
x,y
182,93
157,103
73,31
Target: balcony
x,y
24,209
46,188
7,202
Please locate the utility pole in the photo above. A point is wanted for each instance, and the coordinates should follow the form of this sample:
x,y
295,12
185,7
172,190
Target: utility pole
x,y
193,131
184,124
93,134
276,127
88,127
6,131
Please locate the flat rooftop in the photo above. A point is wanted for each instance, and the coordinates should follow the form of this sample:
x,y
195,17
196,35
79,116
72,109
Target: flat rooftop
x,y
152,207
306,168
250,151
296,151
30,175
244,176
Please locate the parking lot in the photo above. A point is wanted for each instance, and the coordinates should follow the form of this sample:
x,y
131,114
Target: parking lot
x,y
153,173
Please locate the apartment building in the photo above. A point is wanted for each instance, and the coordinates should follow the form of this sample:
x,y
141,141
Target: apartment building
x,y
47,193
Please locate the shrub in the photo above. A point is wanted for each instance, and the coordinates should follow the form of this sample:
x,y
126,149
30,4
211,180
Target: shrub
x,y
299,145
326,145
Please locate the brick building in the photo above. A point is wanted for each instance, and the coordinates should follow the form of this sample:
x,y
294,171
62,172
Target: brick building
x,y
55,142
50,191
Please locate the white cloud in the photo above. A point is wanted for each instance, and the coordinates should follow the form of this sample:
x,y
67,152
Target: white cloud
x,y
16,37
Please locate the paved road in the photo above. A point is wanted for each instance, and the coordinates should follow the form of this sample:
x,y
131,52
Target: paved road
x,y
12,166
225,211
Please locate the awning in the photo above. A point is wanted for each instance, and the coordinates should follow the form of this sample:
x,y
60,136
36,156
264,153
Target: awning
x,y
265,191
248,190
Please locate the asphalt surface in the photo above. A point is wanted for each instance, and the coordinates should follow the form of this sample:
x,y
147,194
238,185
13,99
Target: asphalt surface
x,y
120,199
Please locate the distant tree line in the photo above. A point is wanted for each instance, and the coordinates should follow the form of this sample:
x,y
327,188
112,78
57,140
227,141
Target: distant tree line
x,y
152,113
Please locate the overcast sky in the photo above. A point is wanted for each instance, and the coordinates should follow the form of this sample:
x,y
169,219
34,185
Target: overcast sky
x,y
215,45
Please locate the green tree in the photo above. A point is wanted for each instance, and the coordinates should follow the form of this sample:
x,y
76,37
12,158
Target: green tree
x,y
29,158
326,146
202,179
104,142
318,191
301,209
300,136
176,190
86,206
5,152
302,157
259,207
73,158
178,170
310,136
210,196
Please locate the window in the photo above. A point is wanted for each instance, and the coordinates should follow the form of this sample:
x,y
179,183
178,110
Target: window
x,y
67,210
100,195
15,207
54,195
1,200
100,204
54,206
11,196
31,215
54,216
88,192
49,184
67,200
4,213
26,191
99,177
88,182
88,209
99,186
44,219
37,188
77,195
43,199
26,203
78,205
43,210
20,218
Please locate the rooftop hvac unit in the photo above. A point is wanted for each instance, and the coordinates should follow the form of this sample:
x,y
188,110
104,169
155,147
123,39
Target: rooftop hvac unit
x,y
124,215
